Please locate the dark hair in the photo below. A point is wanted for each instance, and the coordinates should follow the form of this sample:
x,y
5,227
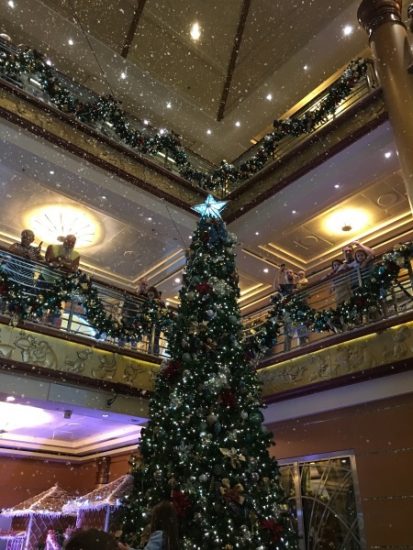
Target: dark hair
x,y
338,261
91,539
164,519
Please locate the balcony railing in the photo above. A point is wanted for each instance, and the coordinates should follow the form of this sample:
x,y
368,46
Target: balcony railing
x,y
363,89
32,87
297,336
31,279
197,170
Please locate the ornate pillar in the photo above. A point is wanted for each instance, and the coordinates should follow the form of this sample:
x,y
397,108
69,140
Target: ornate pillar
x,y
393,57
103,470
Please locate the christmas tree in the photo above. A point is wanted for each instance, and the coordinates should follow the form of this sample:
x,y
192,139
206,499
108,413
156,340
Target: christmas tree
x,y
205,446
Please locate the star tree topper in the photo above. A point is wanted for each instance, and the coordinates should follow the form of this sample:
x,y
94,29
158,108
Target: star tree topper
x,y
210,208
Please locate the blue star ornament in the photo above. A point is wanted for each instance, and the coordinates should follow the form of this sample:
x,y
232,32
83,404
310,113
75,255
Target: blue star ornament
x,y
210,208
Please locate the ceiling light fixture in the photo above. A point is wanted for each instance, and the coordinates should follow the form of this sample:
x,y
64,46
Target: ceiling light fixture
x,y
146,121
348,30
70,42
161,131
268,97
10,399
266,270
293,211
55,220
15,416
49,62
347,220
168,105
123,75
257,233
177,280
51,172
209,131
336,186
105,415
11,4
388,154
238,124
195,31
149,219
306,67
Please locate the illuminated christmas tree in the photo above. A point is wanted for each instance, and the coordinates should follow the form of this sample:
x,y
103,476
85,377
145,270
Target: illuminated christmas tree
x,y
205,446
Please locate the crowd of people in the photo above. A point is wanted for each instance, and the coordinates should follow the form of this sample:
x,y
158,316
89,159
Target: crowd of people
x,y
345,275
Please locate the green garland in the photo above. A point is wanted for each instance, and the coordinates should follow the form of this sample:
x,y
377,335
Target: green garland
x,y
365,299
18,66
49,301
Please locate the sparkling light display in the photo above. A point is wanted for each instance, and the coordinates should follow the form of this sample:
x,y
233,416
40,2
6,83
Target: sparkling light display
x,y
205,447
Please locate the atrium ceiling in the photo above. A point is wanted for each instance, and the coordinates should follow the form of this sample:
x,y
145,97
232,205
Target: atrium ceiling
x,y
142,53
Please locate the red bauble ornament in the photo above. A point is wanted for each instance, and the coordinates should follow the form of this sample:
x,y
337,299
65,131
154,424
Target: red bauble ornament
x,y
276,529
172,370
227,398
203,288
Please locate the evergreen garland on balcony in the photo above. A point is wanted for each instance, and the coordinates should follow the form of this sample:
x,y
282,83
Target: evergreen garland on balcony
x,y
47,302
365,300
106,110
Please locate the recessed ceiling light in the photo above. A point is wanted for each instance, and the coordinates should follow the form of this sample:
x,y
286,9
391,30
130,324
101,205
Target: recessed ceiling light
x,y
293,211
195,31
388,154
266,270
268,97
11,4
10,398
149,219
49,62
123,75
167,303
257,233
103,197
168,105
336,186
162,131
347,30
70,42
51,172
177,280
306,67
238,124
105,415
146,121
209,131
190,236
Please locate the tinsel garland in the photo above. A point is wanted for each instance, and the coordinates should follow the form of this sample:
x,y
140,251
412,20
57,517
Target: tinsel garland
x,y
106,110
366,299
48,302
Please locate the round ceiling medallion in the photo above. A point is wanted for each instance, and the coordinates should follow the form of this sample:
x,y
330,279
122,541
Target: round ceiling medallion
x,y
387,199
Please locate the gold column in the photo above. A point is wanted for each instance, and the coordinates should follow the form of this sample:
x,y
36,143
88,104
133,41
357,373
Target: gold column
x,y
392,55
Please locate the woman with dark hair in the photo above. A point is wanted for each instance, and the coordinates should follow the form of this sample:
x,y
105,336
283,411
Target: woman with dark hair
x,y
163,532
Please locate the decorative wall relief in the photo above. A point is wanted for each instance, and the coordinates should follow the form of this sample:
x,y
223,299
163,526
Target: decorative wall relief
x,y
367,352
36,351
64,356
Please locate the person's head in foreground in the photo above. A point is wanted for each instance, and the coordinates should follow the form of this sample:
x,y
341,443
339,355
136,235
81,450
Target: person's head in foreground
x,y
91,539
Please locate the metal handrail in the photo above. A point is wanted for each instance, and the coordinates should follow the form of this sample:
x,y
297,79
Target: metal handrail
x,y
328,294
33,277
86,95
367,85
285,146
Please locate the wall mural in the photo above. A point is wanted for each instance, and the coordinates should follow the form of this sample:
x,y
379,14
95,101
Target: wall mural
x,y
57,354
387,347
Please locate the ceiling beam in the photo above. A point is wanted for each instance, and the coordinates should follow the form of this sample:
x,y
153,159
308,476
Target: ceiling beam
x,y
233,59
140,4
